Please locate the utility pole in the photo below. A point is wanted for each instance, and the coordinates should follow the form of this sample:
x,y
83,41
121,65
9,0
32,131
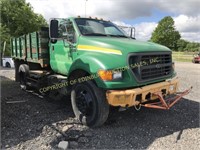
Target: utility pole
x,y
85,7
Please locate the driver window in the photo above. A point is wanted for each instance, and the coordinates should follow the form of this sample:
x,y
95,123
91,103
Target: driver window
x,y
69,30
61,30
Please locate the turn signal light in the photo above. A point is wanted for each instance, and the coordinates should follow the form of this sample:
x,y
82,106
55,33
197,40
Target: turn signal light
x,y
105,75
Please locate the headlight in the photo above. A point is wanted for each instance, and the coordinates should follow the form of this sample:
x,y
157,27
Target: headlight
x,y
109,75
117,75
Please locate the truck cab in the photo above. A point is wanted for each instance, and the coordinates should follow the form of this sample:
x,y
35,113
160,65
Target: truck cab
x,y
97,43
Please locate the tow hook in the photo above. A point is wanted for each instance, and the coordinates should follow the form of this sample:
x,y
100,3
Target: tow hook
x,y
138,107
166,103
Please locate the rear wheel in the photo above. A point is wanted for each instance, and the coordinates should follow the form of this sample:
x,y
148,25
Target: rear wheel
x,y
23,74
89,104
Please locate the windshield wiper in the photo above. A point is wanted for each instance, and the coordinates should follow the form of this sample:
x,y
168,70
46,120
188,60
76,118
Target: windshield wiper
x,y
100,34
116,35
95,34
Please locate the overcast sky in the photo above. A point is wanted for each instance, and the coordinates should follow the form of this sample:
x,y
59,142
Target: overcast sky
x,y
142,14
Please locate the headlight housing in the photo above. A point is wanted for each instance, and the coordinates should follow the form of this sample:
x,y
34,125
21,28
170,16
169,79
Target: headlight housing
x,y
109,75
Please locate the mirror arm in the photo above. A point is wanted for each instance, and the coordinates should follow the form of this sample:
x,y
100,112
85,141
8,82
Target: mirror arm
x,y
131,32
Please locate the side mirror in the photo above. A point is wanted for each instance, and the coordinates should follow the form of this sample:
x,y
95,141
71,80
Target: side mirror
x,y
53,33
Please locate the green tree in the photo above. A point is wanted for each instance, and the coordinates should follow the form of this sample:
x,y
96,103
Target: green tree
x,y
5,37
192,46
166,34
181,44
17,18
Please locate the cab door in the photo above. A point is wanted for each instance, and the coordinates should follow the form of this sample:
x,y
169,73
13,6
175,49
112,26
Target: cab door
x,y
60,49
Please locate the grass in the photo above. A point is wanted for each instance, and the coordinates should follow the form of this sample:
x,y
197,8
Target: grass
x,y
183,56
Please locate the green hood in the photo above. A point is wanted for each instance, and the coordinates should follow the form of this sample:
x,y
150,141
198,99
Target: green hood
x,y
125,45
109,53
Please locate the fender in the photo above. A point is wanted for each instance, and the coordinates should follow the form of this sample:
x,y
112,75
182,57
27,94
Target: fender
x,y
90,64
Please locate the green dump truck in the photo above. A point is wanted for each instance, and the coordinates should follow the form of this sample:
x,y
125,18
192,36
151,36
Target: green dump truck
x,y
98,64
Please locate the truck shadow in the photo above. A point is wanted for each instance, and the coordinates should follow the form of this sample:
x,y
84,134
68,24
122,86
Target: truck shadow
x,y
26,116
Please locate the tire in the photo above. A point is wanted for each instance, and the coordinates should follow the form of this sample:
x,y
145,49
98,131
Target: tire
x,y
23,74
89,104
8,65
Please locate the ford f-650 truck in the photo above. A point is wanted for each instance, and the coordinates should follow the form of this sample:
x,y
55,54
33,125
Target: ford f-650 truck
x,y
98,64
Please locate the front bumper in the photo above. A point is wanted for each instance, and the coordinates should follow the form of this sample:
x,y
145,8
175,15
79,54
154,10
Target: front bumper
x,y
136,96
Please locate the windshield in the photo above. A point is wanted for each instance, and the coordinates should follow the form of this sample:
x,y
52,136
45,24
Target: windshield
x,y
92,27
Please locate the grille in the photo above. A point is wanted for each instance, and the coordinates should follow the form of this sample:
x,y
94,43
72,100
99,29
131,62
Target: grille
x,y
150,66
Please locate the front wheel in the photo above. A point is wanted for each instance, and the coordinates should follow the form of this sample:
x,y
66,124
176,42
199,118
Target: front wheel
x,y
89,104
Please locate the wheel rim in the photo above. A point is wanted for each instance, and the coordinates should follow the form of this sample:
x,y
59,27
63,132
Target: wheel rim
x,y
7,65
84,101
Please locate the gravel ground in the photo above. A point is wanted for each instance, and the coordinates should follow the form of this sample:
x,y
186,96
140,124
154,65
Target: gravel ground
x,y
28,121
